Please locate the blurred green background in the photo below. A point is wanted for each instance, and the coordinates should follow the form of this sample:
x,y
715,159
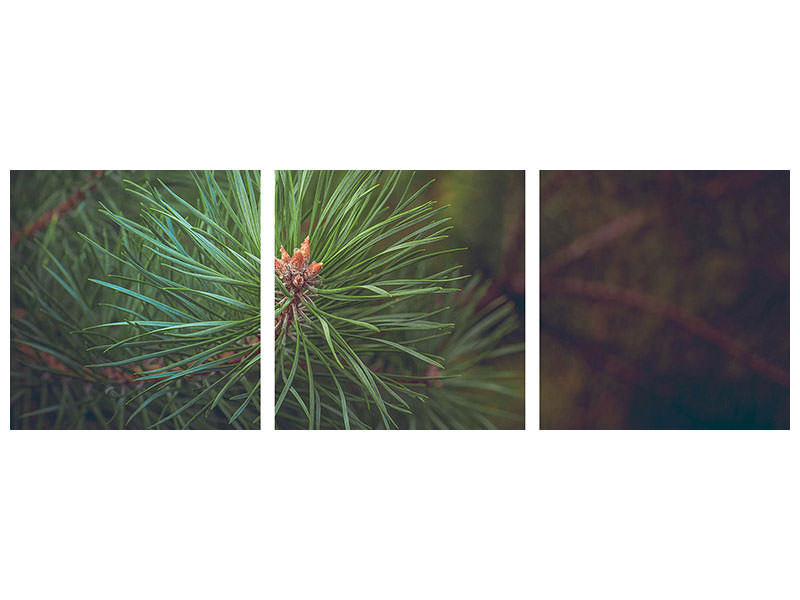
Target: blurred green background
x,y
715,245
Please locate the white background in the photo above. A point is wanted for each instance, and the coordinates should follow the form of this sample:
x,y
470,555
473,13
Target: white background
x,y
426,85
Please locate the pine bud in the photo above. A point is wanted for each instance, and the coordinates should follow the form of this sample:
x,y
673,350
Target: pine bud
x,y
313,270
299,277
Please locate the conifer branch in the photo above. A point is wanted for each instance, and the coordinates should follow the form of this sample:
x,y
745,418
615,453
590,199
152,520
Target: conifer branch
x,y
360,340
150,316
604,292
593,241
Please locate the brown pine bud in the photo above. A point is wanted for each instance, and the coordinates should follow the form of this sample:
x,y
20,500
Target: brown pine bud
x,y
280,268
299,277
298,262
305,249
313,270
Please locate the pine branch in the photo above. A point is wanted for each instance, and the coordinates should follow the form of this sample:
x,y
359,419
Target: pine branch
x,y
112,375
603,292
593,241
148,318
358,332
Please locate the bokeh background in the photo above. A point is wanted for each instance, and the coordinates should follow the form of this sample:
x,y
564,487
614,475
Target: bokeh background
x,y
712,247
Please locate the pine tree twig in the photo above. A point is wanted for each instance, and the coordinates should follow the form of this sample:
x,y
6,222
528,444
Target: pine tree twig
x,y
174,316
50,362
116,375
595,240
603,292
65,207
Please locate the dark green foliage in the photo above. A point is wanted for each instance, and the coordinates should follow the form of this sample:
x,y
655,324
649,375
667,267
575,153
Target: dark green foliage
x,y
376,342
137,314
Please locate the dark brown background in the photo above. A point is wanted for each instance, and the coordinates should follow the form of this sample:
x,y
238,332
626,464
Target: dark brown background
x,y
684,321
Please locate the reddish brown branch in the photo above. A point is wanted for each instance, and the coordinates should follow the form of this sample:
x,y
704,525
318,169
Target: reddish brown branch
x,y
117,375
594,240
638,301
66,206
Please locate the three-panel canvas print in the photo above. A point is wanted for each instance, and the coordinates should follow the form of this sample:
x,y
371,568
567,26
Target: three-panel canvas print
x,y
399,300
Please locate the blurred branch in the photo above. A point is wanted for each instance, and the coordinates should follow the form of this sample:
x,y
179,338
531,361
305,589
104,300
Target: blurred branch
x,y
603,292
594,240
68,205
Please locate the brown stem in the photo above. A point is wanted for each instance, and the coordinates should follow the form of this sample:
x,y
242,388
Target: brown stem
x,y
594,240
66,206
603,292
117,375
